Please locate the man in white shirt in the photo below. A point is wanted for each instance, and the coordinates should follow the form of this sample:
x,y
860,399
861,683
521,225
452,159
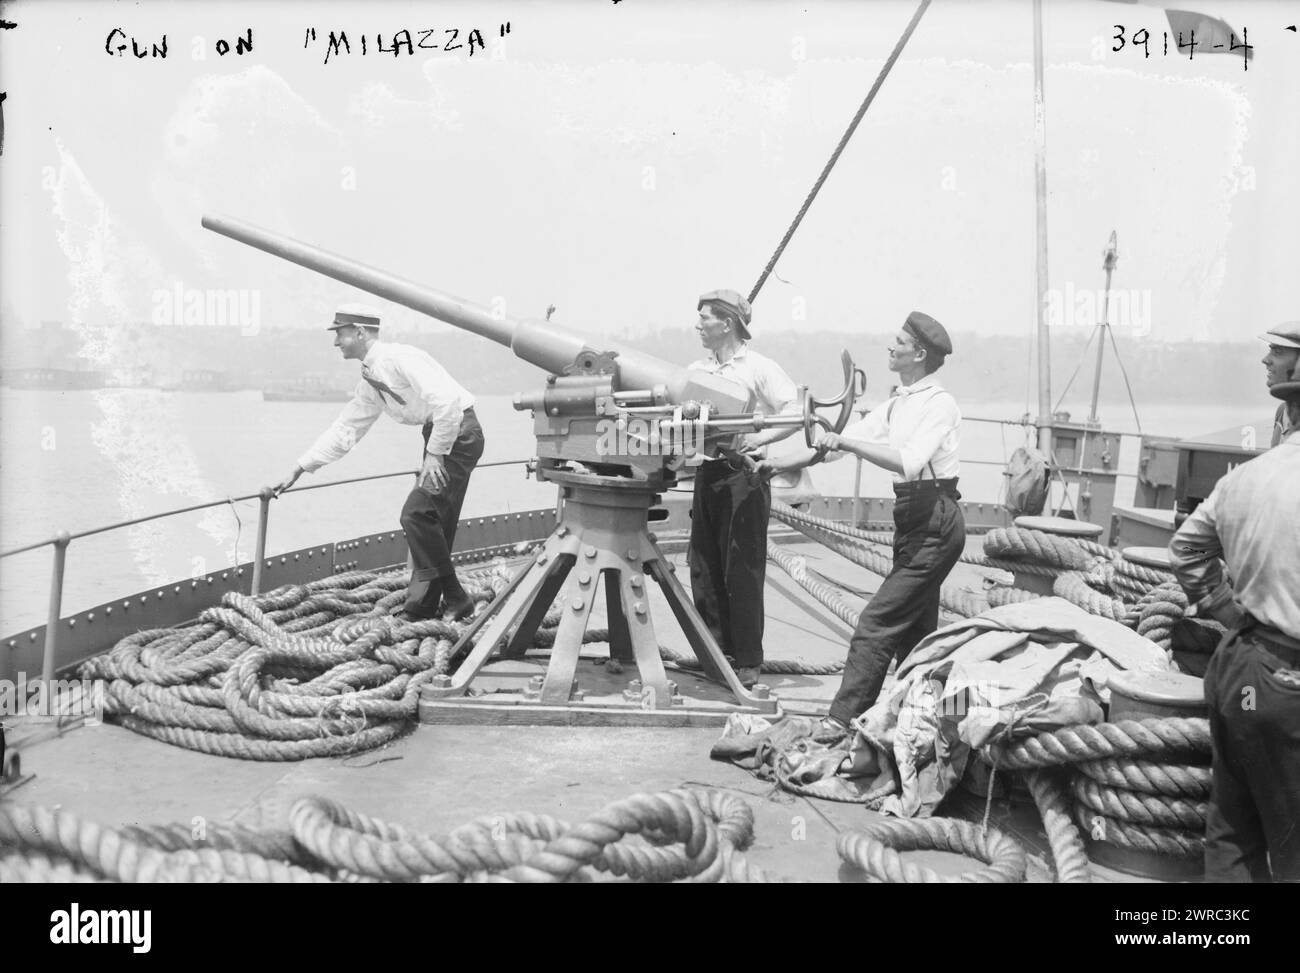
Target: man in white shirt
x,y
405,382
731,506
914,435
1249,528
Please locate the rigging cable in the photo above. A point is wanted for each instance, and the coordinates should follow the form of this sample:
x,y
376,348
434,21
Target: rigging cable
x,y
844,140
1124,371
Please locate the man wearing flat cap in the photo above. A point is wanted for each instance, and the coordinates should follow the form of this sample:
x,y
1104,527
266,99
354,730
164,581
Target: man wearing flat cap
x,y
406,382
1280,365
731,506
1249,528
914,435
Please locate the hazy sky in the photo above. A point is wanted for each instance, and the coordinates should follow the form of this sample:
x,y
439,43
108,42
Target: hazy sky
x,y
618,159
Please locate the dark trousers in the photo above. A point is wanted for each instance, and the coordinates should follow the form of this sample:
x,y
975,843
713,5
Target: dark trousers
x,y
929,536
728,557
429,517
1252,831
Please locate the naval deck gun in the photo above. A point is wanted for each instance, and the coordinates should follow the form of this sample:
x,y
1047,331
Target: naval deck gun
x,y
613,426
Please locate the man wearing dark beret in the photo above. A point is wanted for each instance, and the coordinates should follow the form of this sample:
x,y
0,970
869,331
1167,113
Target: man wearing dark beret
x,y
406,382
1249,528
914,435
731,506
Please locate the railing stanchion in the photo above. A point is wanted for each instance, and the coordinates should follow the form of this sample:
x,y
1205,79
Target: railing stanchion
x,y
857,494
61,542
263,515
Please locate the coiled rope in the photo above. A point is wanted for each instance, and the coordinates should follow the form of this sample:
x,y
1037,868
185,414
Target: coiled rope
x,y
874,849
686,834
319,669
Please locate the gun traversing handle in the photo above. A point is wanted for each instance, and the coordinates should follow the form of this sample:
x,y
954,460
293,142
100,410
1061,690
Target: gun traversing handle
x,y
855,384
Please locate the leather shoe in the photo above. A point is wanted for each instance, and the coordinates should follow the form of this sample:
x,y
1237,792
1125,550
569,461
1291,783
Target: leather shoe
x,y
829,730
406,615
457,609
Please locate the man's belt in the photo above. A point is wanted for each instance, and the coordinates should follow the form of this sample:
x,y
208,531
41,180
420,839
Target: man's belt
x,y
946,485
427,428
1275,640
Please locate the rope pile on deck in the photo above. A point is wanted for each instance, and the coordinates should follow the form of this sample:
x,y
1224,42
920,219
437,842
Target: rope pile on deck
x,y
685,835
319,669
1135,784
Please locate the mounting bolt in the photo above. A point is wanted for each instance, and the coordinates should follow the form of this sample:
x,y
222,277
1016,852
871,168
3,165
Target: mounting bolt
x,y
636,581
584,578
639,608
562,532
634,685
577,604
672,688
589,551
633,553
532,694
577,696
760,691
541,557
536,682
441,681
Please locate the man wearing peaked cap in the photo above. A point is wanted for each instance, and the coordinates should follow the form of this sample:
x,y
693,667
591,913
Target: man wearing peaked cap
x,y
1248,528
406,382
914,435
731,507
1280,366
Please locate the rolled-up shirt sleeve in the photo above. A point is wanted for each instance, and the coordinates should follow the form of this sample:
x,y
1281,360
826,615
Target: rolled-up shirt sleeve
x,y
444,409
872,428
1194,554
353,422
937,423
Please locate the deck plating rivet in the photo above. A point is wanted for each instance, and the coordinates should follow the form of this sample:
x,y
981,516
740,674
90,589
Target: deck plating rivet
x,y
584,578
589,551
577,604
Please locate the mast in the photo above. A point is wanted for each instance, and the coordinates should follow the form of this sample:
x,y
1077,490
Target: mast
x,y
1040,186
1111,258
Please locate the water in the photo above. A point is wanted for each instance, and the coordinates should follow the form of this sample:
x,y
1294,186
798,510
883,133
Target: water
x,y
76,460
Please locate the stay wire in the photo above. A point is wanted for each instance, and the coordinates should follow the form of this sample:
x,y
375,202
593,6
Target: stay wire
x,y
844,141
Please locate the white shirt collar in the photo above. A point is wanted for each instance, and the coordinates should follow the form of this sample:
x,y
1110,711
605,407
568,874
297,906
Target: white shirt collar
x,y
920,385
741,352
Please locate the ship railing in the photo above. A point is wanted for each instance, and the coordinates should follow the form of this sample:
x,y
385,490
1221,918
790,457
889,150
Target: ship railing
x,y
62,541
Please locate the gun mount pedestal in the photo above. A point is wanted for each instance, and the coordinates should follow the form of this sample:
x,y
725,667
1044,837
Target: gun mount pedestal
x,y
602,540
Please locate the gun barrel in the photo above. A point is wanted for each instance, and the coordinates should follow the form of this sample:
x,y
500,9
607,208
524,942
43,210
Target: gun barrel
x,y
544,345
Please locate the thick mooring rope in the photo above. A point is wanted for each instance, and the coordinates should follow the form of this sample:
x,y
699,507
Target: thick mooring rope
x,y
1020,544
688,834
956,600
874,849
319,669
1068,852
